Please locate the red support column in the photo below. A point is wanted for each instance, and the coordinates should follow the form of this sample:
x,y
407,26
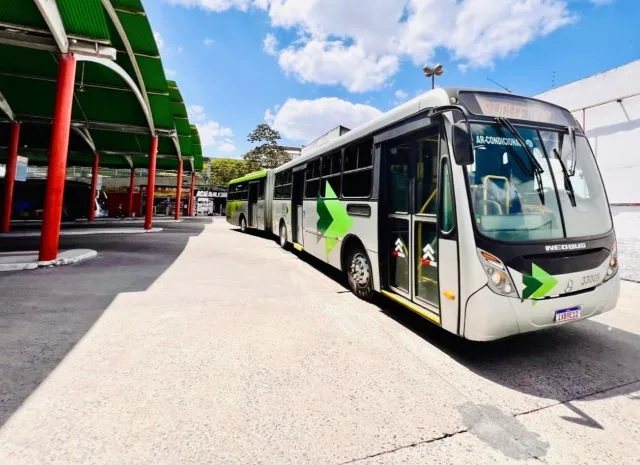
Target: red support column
x,y
132,184
191,193
57,169
10,178
179,192
151,182
94,186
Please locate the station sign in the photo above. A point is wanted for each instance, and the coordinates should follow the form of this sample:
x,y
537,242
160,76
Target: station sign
x,y
211,194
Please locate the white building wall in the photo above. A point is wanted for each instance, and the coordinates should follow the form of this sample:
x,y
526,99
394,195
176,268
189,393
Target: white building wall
x,y
613,129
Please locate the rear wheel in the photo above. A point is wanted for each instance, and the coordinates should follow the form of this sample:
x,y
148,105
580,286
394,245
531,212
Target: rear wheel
x,y
243,224
283,236
359,274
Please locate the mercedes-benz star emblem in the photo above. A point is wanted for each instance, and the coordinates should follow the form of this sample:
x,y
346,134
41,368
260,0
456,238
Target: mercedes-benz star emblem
x,y
569,286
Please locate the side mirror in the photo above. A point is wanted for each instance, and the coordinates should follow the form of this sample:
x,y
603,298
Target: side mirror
x,y
462,149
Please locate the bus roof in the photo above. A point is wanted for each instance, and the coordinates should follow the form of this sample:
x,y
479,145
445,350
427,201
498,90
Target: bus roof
x,y
250,177
431,99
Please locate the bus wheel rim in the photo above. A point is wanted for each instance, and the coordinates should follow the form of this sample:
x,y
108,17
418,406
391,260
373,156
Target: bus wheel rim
x,y
360,272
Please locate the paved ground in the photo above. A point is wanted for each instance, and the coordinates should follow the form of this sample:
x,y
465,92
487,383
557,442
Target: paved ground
x,y
238,352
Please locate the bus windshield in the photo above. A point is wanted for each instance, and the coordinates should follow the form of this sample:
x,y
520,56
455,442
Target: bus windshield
x,y
513,201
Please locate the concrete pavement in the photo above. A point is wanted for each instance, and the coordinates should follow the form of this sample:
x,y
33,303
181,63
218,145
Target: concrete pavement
x,y
239,352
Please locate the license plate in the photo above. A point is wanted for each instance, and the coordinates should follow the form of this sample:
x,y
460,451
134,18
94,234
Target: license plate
x,y
567,314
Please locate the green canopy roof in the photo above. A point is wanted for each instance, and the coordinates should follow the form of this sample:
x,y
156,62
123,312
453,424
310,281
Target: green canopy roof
x,y
121,94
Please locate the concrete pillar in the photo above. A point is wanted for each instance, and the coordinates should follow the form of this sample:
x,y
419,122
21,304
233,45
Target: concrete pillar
x,y
56,172
179,192
94,186
10,178
132,184
151,182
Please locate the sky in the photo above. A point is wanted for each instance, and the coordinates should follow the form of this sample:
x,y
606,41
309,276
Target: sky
x,y
306,66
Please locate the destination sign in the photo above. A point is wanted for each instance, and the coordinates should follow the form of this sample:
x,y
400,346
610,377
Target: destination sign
x,y
514,107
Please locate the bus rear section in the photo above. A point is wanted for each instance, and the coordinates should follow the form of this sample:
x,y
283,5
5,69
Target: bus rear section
x,y
247,202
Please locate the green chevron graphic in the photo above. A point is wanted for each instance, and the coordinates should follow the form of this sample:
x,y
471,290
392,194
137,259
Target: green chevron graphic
x,y
333,220
538,284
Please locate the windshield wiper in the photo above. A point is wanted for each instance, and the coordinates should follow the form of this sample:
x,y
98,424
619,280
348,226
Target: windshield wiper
x,y
568,185
535,167
572,140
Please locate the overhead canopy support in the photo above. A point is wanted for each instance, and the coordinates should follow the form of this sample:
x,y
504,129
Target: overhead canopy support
x,y
21,39
176,144
127,45
6,108
86,136
51,14
116,68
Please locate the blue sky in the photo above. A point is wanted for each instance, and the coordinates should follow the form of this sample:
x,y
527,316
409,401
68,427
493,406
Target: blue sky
x,y
306,66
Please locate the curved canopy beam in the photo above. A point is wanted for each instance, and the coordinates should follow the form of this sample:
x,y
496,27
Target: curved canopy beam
x,y
6,108
127,45
51,14
144,103
176,144
84,133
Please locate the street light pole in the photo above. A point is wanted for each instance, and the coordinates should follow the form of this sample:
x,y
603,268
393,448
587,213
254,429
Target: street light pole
x,y
437,70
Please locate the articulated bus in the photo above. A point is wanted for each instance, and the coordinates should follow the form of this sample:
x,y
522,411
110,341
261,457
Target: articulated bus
x,y
483,212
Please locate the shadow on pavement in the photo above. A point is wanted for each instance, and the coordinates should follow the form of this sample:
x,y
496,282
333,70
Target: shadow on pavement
x,y
45,312
564,363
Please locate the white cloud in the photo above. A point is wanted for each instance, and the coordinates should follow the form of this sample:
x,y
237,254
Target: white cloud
x,y
214,5
270,45
400,96
170,73
486,30
601,2
196,113
159,40
226,147
305,120
333,62
213,136
208,41
339,43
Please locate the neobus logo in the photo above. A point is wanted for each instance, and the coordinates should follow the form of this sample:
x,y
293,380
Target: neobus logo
x,y
563,247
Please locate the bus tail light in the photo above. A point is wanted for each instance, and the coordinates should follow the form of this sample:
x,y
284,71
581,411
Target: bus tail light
x,y
613,263
498,277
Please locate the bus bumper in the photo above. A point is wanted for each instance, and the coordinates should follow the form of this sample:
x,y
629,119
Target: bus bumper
x,y
490,316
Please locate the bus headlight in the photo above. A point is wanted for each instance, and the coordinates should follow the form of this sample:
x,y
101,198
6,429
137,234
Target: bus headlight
x,y
613,263
498,277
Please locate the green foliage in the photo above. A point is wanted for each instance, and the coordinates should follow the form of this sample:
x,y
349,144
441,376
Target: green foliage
x,y
223,170
269,154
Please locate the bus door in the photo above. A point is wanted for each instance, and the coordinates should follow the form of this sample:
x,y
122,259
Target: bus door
x,y
409,229
297,198
254,191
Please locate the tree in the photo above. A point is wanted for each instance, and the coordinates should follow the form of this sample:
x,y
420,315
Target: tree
x,y
269,154
224,170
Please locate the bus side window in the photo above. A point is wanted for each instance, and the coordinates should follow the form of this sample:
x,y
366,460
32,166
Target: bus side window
x,y
357,178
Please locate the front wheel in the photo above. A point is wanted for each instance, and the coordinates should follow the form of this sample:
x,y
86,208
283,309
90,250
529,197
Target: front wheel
x,y
243,224
359,274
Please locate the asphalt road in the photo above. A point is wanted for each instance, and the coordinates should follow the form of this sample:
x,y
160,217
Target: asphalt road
x,y
217,347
